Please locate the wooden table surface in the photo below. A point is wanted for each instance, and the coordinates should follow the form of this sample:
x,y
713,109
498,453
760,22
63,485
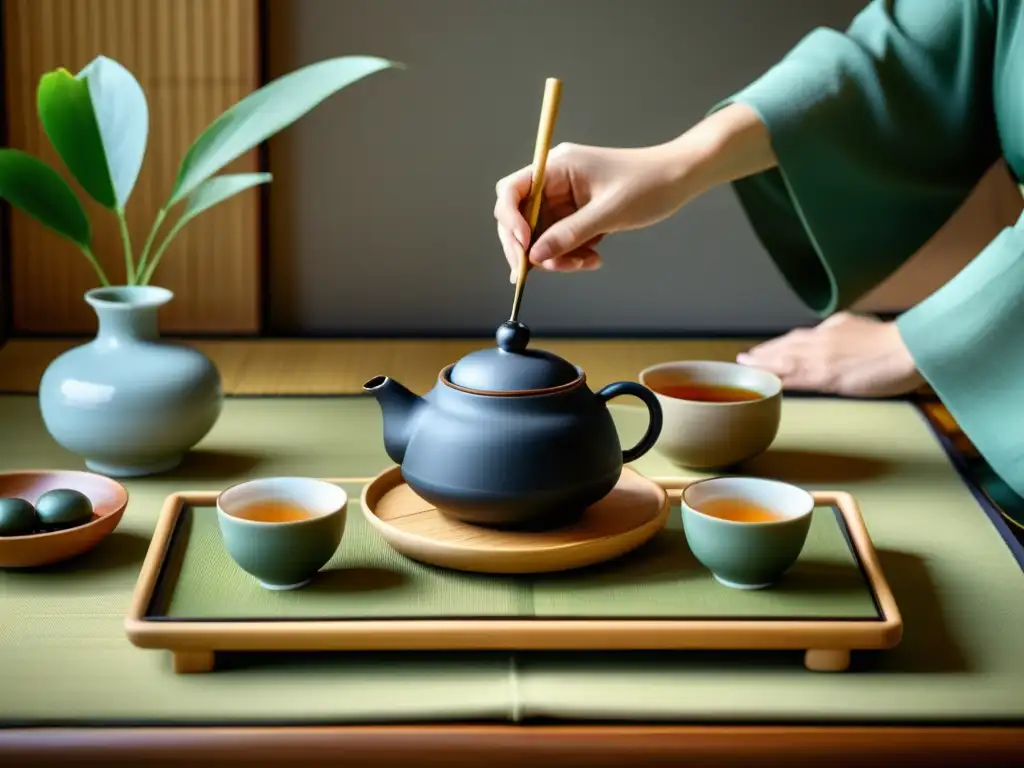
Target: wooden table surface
x,y
319,367
336,366
340,366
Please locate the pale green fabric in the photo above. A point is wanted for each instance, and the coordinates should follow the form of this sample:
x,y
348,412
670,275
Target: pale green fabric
x,y
64,655
881,132
368,579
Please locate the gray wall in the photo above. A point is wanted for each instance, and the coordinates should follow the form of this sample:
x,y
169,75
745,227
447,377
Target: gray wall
x,y
381,207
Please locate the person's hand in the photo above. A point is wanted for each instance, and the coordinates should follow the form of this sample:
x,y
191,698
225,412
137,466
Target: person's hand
x,y
844,355
589,192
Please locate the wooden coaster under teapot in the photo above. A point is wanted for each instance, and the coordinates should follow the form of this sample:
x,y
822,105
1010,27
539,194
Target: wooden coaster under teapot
x,y
630,515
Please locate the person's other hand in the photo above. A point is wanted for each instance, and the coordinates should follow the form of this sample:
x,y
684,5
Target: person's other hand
x,y
589,192
845,355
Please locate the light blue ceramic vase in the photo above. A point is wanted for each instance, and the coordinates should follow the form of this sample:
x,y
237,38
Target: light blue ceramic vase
x,y
127,402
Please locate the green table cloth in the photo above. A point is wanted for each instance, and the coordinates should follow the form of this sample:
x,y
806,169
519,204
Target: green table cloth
x,y
64,657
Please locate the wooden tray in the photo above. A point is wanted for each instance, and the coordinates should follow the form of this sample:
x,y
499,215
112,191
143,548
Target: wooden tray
x,y
635,510
827,642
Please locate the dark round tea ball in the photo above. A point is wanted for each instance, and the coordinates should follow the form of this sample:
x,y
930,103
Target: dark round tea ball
x,y
17,517
63,508
513,336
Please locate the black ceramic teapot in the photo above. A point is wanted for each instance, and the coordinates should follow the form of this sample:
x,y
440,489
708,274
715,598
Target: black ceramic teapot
x,y
510,437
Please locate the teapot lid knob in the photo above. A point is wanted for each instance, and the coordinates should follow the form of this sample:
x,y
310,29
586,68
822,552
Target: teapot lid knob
x,y
511,367
512,336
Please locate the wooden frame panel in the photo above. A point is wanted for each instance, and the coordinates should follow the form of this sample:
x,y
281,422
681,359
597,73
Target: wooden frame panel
x,y
194,59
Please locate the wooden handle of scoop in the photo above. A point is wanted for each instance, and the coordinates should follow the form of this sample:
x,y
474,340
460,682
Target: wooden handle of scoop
x,y
545,130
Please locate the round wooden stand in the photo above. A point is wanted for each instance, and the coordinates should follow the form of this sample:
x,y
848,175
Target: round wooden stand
x,y
635,510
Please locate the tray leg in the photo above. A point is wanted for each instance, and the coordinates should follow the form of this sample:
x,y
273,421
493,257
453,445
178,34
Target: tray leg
x,y
827,660
190,662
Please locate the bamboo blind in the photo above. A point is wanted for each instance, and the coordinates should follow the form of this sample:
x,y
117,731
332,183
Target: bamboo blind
x,y
194,59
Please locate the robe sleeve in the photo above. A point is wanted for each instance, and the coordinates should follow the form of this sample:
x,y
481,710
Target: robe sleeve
x,y
967,340
880,133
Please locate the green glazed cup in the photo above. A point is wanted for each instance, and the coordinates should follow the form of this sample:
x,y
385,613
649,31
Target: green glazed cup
x,y
747,555
283,555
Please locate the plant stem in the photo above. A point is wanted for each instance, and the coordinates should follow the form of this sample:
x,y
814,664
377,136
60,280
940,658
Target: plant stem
x,y
129,262
95,265
144,280
144,256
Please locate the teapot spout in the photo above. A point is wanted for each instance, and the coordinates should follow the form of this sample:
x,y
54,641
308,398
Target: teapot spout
x,y
399,408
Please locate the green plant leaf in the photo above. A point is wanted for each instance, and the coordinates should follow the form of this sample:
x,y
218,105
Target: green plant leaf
x,y
32,186
266,111
98,121
122,114
208,194
65,110
220,188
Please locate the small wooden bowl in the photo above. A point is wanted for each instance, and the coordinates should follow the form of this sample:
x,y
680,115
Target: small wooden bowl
x,y
109,499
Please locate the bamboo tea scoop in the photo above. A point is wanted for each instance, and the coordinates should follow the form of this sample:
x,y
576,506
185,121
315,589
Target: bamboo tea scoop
x,y
548,115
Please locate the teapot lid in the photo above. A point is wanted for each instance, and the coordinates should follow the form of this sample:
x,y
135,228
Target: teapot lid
x,y
511,367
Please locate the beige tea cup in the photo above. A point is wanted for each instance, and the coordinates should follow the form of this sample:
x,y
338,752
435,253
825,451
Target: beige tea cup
x,y
715,414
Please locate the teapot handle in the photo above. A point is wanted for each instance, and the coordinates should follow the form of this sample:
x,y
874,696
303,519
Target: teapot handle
x,y
653,409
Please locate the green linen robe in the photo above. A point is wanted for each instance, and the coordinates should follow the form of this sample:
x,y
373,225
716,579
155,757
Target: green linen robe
x,y
881,132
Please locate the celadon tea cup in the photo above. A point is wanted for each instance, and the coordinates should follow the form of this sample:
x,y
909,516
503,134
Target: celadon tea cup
x,y
282,530
747,531
714,414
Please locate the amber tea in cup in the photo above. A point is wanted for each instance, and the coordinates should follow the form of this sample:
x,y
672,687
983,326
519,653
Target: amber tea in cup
x,y
707,393
272,511
739,510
